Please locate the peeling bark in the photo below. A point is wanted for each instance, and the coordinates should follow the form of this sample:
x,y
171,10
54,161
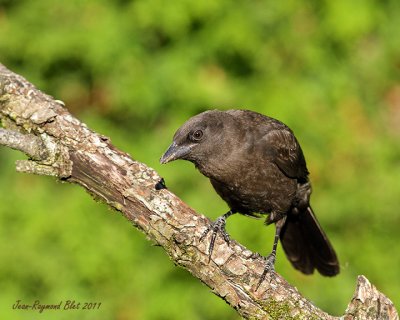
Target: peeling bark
x,y
60,145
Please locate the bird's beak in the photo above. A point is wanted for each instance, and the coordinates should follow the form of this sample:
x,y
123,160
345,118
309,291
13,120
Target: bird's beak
x,y
174,152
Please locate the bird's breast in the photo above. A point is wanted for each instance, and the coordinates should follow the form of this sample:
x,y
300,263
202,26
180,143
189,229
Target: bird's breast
x,y
256,189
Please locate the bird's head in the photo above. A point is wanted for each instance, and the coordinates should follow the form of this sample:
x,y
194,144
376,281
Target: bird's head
x,y
199,138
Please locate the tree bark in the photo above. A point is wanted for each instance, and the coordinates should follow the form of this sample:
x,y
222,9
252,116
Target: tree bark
x,y
59,145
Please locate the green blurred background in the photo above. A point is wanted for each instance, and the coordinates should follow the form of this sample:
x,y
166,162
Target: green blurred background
x,y
135,71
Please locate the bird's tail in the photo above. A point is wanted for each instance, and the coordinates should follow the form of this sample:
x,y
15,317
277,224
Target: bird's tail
x,y
306,245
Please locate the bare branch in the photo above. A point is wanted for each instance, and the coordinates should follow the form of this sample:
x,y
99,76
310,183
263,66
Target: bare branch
x,y
369,303
27,143
73,153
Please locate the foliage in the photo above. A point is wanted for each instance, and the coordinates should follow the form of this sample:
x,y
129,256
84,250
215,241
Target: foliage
x,y
135,71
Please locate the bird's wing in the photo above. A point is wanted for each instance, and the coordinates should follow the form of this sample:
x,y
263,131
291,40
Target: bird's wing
x,y
285,152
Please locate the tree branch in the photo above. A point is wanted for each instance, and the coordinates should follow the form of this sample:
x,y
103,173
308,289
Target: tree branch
x,y
27,143
60,145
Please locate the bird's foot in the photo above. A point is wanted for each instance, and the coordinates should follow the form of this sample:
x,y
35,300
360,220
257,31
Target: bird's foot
x,y
218,226
269,267
256,255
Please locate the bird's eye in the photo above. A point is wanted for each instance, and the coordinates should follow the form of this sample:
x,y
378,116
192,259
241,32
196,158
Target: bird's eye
x,y
197,135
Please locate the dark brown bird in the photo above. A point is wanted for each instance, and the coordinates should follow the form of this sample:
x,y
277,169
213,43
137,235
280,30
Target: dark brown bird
x,y
256,165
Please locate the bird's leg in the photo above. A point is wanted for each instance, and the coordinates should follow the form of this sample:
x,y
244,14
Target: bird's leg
x,y
215,227
270,259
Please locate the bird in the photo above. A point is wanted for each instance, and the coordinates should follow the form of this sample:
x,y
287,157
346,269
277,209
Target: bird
x,y
256,165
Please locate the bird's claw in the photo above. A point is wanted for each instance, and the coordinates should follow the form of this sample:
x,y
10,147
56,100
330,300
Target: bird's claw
x,y
269,267
256,255
216,226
